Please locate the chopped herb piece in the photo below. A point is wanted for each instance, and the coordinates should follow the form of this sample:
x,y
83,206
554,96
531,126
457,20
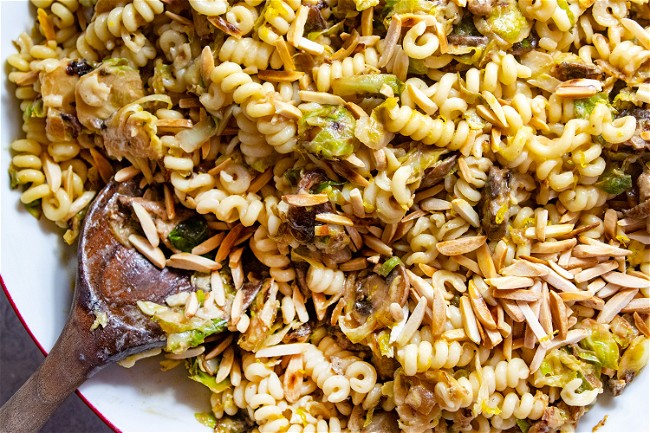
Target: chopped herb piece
x,y
189,233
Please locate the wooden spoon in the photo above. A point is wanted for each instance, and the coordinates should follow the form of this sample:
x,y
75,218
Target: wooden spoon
x,y
111,278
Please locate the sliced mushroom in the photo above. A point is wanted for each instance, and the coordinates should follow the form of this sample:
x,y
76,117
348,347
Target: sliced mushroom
x,y
438,172
495,197
565,71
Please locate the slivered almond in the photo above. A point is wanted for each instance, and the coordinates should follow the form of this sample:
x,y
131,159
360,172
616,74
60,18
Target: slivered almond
x,y
460,246
511,309
576,296
579,88
480,307
422,100
641,324
323,98
523,268
596,271
147,224
297,28
560,270
550,247
333,218
279,76
209,244
533,323
455,335
228,242
609,222
467,263
616,304
555,280
510,283
348,47
413,215
558,313
593,303
545,318
638,305
287,110
485,262
285,54
466,212
552,231
608,290
599,250
438,312
154,254
310,46
469,320
625,280
126,173
261,180
282,350
192,262
435,205
342,168
377,245
575,262
189,103
305,200
223,25
173,125
356,264
517,295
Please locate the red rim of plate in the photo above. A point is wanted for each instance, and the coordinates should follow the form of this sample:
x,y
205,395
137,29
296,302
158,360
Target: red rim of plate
x,y
42,349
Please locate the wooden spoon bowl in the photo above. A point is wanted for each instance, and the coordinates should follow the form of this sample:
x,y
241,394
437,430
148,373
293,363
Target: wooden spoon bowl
x,y
111,278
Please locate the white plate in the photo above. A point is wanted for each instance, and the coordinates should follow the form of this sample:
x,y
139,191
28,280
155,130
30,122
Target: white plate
x,y
38,272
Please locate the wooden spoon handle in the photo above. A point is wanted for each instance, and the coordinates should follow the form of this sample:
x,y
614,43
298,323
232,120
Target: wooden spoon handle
x,y
60,374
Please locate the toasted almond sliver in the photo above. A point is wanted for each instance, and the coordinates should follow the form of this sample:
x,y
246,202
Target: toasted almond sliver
x,y
523,268
597,251
552,231
377,245
550,247
558,313
480,307
310,46
555,280
127,173
460,246
435,205
616,304
469,320
625,280
173,125
192,262
596,271
641,324
209,244
576,296
261,180
510,307
154,254
579,88
356,264
148,226
323,98
454,335
282,350
468,263
322,230
509,283
522,295
279,76
638,305
533,323
560,270
485,262
304,200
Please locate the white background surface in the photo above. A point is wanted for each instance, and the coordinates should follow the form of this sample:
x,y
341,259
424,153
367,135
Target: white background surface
x,y
38,270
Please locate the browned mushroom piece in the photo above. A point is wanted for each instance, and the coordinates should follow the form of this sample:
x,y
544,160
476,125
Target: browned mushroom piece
x,y
382,422
373,296
495,198
438,172
565,71
481,8
58,90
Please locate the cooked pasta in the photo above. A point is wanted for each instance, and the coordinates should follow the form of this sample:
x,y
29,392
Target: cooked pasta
x,y
426,216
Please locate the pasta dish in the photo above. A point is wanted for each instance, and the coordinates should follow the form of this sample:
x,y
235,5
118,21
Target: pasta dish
x,y
418,215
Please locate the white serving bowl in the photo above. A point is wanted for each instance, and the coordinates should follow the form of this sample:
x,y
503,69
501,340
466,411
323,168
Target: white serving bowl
x,y
38,270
